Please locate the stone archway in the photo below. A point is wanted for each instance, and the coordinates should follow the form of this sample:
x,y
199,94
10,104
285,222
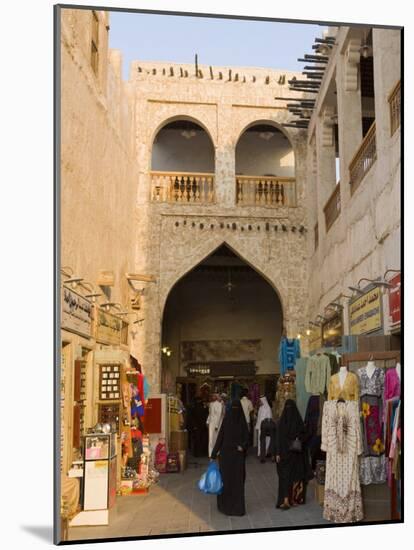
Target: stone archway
x,y
222,309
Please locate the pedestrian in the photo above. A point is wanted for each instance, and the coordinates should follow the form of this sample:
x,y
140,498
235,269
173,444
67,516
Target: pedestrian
x,y
291,458
214,420
267,430
264,412
231,446
247,409
198,428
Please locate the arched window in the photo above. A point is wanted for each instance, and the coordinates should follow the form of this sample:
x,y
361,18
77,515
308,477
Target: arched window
x,y
265,167
182,163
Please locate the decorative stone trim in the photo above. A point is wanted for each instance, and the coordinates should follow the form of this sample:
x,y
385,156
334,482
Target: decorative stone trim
x,y
352,58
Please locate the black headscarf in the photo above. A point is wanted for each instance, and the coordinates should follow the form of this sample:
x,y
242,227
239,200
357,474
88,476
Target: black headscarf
x,y
290,427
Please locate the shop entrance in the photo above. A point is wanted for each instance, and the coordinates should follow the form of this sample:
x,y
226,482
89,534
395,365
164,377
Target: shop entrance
x,y
221,330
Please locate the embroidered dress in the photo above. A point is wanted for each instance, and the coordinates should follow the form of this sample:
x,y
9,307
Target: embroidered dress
x,y
341,439
289,351
373,462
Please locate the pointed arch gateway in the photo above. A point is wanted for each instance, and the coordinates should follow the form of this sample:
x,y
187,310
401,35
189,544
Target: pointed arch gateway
x,y
222,311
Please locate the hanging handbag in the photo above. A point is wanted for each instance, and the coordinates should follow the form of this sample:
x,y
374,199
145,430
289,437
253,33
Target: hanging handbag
x,y
295,446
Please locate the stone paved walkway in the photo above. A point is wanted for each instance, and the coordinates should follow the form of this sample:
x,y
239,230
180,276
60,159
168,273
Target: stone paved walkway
x,y
175,505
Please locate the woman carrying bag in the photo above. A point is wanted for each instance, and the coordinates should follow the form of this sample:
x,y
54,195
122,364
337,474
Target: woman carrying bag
x,y
231,445
293,466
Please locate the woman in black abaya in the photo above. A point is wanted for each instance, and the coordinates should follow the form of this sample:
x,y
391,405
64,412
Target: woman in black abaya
x,y
231,445
293,466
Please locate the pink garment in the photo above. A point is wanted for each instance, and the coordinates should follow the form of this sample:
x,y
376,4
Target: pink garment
x,y
392,387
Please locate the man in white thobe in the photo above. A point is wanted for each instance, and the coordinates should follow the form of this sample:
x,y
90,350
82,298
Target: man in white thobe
x,y
214,420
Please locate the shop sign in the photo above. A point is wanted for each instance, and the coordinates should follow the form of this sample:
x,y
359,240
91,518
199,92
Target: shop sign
x,y
199,368
332,331
315,339
76,313
394,300
365,313
108,328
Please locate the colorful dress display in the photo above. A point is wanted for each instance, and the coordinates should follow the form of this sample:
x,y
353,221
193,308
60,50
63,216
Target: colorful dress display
x,y
289,351
349,391
373,462
341,439
286,389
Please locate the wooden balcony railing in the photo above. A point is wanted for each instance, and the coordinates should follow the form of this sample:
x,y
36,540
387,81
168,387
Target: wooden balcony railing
x,y
332,208
394,100
182,187
363,159
265,191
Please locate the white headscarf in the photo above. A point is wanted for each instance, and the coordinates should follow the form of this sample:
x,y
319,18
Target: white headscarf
x,y
264,412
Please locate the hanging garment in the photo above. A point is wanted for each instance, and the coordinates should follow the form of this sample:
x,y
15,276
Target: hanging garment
x,y
289,351
318,374
232,442
214,420
137,405
392,385
264,412
293,467
313,427
373,462
341,439
334,362
267,432
349,391
286,389
302,396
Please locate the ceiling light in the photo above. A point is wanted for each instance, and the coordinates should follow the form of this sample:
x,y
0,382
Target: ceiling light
x,y
188,134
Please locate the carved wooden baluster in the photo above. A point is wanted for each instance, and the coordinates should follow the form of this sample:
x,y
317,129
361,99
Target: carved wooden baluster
x,y
201,189
210,189
239,191
252,197
189,180
266,188
282,194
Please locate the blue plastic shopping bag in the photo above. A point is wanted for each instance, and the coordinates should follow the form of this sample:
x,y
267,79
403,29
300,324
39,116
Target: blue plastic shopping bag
x,y
211,482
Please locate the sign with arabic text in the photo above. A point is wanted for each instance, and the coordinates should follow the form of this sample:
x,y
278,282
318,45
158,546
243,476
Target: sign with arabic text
x,y
76,312
108,328
332,331
365,313
394,300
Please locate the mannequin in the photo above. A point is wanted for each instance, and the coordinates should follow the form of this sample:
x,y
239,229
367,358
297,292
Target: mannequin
x,y
343,372
398,370
370,368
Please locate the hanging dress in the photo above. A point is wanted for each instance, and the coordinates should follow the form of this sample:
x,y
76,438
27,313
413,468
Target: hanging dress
x,y
341,439
373,462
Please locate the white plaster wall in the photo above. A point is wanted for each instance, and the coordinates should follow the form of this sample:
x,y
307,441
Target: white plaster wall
x,y
98,164
365,240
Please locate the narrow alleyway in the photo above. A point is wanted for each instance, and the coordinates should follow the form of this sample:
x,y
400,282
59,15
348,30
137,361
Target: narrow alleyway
x,y
175,505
